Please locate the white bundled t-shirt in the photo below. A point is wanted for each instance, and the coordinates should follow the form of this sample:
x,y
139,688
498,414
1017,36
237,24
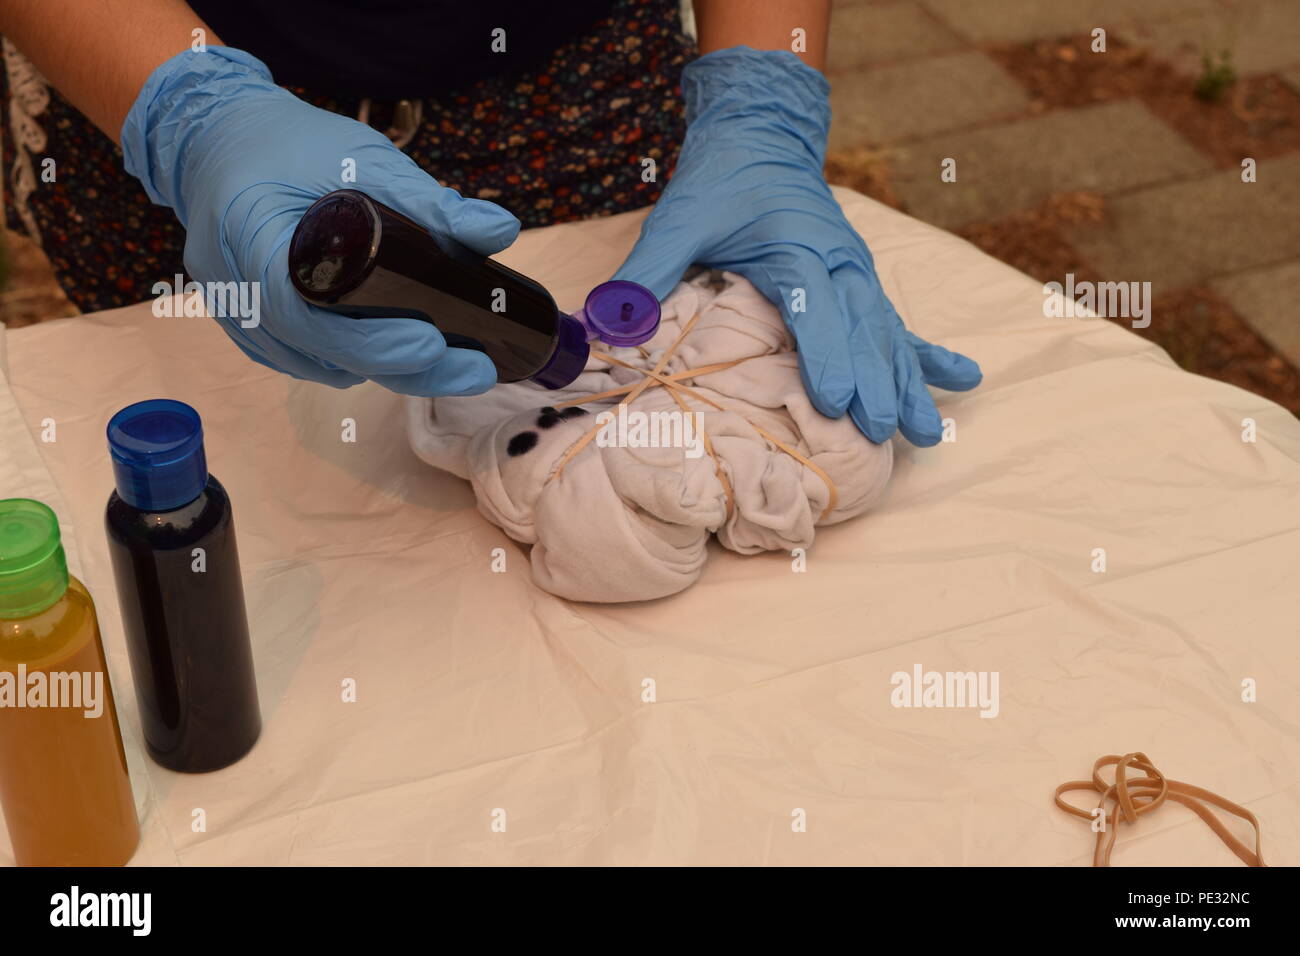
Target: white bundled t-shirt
x,y
627,516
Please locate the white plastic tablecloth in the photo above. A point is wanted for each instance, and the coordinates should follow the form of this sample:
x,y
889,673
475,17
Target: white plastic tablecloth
x,y
482,700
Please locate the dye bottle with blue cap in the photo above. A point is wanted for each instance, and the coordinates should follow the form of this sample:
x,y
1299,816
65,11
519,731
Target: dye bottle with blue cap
x,y
171,537
359,258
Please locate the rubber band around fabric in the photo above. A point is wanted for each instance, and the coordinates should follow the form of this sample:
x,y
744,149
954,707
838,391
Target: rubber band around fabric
x,y
673,383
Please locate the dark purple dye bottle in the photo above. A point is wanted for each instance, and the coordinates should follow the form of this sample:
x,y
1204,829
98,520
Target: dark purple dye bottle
x,y
171,537
357,257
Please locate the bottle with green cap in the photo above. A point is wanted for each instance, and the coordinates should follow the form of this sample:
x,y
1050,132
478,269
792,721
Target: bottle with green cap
x,y
64,788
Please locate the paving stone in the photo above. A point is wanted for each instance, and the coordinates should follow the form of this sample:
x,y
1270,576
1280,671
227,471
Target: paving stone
x,y
868,34
1269,299
1014,166
1262,36
1007,21
919,98
1210,226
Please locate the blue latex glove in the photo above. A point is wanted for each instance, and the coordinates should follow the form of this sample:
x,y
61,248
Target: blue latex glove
x,y
748,195
239,160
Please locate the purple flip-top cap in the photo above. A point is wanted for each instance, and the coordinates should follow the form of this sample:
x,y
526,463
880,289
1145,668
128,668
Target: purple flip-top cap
x,y
621,313
617,312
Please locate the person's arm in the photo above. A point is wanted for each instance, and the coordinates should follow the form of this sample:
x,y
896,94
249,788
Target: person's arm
x,y
98,53
239,159
763,25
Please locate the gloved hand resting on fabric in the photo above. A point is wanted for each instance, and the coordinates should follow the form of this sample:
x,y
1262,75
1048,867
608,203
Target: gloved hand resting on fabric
x,y
748,195
239,160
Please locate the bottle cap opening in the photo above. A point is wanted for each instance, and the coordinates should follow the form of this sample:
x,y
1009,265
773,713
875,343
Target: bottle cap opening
x,y
157,452
569,358
33,569
621,313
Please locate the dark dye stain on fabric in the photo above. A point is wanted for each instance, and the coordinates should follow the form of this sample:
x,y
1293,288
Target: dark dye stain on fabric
x,y
551,416
522,444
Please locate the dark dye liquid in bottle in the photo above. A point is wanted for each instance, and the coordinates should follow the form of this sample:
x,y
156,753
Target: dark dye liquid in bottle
x,y
171,537
357,257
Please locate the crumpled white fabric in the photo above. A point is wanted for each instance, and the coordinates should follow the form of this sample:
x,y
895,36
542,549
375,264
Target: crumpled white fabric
x,y
629,524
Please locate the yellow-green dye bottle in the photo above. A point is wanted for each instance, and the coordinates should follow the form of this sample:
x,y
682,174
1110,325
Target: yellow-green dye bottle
x,y
64,788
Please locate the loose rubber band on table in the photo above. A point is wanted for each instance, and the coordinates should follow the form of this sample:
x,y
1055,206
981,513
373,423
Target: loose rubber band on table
x,y
1143,794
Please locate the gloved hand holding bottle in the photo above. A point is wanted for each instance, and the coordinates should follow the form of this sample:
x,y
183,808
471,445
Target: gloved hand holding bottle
x,y
748,195
239,160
